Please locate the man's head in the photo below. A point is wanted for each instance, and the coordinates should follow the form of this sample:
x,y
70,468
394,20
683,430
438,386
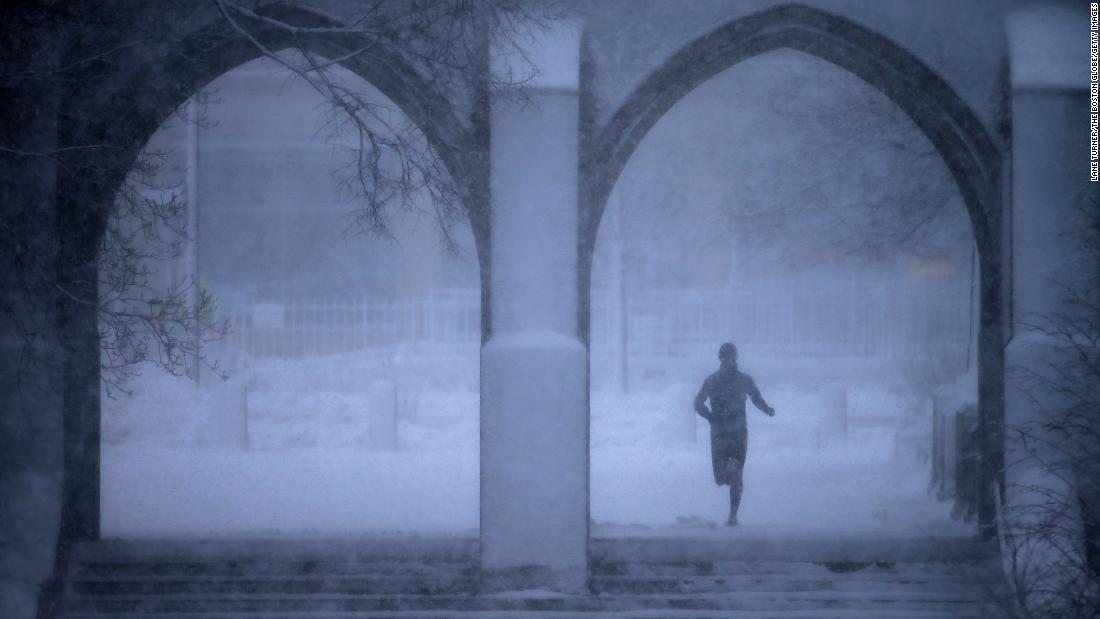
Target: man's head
x,y
727,353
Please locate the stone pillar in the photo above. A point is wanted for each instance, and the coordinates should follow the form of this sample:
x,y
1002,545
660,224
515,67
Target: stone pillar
x,y
31,355
1048,47
1050,171
534,421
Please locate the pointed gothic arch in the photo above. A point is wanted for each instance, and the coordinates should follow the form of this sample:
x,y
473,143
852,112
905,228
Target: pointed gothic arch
x,y
970,153
128,102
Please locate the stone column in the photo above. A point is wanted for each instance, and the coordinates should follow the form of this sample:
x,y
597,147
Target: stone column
x,y
31,357
1050,168
1048,47
534,421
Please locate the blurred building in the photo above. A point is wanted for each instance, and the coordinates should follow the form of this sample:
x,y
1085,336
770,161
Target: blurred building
x,y
275,221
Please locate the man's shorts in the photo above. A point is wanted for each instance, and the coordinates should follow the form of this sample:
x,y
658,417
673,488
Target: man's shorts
x,y
724,447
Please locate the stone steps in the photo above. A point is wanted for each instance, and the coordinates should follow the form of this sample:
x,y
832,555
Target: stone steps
x,y
268,569
424,578
373,585
315,605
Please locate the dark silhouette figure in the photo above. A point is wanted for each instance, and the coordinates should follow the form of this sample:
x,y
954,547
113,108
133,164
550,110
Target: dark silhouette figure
x,y
729,438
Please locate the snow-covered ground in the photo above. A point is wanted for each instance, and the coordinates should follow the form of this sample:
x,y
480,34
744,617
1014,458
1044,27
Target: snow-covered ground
x,y
179,461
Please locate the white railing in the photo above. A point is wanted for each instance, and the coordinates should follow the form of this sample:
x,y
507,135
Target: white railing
x,y
822,318
300,327
842,317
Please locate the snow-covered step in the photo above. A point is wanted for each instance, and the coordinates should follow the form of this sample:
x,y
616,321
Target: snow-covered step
x,y
319,606
439,578
342,585
876,613
758,551
167,569
702,576
926,570
947,605
320,553
708,584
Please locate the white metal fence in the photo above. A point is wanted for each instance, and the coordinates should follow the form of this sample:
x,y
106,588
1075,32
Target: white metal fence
x,y
300,327
818,317
822,317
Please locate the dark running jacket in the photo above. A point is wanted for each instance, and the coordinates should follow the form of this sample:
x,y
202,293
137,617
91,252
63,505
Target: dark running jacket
x,y
727,389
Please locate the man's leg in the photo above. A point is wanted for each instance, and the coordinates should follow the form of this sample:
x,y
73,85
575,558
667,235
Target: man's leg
x,y
720,457
736,468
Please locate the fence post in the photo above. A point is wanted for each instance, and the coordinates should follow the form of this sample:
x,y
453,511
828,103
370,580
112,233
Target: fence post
x,y
967,463
228,422
835,408
681,413
938,456
382,415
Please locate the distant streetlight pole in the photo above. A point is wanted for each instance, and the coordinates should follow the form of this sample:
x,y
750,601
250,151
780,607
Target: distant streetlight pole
x,y
191,246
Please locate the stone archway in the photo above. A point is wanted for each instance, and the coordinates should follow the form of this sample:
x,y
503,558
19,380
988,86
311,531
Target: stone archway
x,y
970,153
126,110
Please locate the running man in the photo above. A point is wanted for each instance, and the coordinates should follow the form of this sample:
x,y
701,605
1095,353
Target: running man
x,y
729,438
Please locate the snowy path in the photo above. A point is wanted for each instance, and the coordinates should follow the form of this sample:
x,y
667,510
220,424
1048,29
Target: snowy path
x,y
309,473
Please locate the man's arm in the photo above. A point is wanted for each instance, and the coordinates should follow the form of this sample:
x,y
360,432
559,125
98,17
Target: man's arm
x,y
701,399
758,400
